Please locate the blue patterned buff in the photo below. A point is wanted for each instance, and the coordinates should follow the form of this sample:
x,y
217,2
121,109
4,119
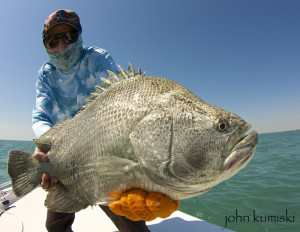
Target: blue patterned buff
x,y
68,59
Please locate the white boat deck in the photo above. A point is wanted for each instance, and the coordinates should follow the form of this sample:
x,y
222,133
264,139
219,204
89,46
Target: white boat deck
x,y
28,214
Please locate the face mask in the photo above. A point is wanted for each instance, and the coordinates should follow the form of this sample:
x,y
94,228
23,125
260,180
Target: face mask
x,y
68,59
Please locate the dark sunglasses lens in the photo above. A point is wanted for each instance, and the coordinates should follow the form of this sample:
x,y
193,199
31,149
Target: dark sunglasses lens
x,y
70,37
52,41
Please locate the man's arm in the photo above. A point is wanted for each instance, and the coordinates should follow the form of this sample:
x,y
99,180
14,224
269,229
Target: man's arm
x,y
41,114
41,122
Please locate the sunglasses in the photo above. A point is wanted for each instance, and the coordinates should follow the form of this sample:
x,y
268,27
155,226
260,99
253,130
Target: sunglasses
x,y
68,37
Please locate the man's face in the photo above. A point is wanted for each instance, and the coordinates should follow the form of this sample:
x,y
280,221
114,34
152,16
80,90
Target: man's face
x,y
61,47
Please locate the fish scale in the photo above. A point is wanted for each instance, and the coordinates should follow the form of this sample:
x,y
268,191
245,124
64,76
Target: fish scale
x,y
136,131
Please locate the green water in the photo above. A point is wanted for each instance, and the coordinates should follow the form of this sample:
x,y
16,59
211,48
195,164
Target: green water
x,y
264,196
268,186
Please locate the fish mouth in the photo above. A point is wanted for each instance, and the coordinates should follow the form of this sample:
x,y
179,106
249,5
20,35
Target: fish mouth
x,y
242,152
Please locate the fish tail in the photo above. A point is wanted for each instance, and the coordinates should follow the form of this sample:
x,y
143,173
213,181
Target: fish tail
x,y
23,171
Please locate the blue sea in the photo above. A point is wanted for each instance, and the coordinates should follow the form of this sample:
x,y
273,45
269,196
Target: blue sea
x,y
264,196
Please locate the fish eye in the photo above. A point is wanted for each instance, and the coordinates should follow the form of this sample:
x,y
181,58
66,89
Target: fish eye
x,y
223,125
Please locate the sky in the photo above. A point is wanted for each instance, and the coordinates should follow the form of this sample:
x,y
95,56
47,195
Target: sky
x,y
242,56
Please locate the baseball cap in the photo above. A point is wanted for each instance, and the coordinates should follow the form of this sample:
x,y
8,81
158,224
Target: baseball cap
x,y
62,16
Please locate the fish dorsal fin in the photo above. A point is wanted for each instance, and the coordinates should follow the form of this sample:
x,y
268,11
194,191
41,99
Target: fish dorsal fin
x,y
112,78
123,75
46,140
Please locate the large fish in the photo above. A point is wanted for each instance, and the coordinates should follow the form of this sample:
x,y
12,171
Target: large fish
x,y
141,132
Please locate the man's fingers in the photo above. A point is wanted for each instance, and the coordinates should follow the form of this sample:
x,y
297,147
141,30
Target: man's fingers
x,y
41,157
54,181
45,181
48,183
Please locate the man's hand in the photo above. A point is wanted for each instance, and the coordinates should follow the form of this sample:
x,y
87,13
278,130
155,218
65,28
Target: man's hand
x,y
46,183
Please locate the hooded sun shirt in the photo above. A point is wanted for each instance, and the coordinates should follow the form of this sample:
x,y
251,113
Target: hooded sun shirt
x,y
66,81
67,60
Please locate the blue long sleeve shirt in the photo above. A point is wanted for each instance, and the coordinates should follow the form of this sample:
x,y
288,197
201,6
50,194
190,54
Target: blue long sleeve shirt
x,y
59,95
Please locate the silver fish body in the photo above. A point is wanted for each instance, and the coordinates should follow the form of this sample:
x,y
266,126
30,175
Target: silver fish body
x,y
136,132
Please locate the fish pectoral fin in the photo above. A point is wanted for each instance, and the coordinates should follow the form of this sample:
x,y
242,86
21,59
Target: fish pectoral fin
x,y
61,199
113,165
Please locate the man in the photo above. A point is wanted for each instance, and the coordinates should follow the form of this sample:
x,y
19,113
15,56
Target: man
x,y
63,85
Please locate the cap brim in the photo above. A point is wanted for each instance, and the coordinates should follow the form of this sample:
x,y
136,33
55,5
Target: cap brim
x,y
44,32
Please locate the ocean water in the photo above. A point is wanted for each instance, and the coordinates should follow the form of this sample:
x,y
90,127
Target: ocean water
x,y
264,196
